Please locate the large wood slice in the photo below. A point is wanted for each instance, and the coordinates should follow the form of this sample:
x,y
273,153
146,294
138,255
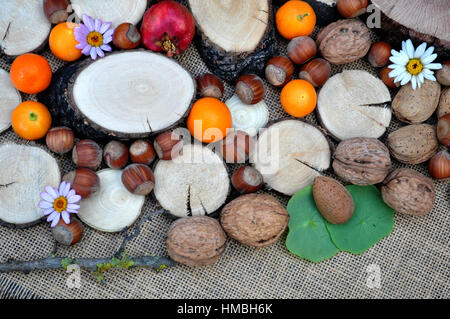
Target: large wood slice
x,y
115,11
9,99
418,19
234,36
125,95
23,26
354,104
24,173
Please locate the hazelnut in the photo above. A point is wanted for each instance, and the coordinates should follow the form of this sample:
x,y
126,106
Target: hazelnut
x,y
279,71
237,147
439,165
247,180
84,181
443,130
88,154
56,10
352,8
115,155
379,54
210,86
168,145
126,36
301,49
142,152
68,235
250,88
316,72
138,179
60,140
409,192
384,76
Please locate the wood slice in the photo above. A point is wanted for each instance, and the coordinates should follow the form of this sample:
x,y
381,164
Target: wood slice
x,y
9,99
24,173
112,208
234,36
115,11
354,104
23,26
422,20
195,183
290,154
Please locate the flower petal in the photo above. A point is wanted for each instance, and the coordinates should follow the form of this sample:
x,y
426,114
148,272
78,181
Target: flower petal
x,y
74,199
434,66
107,40
105,26
108,33
414,82
87,20
429,76
81,46
100,53
106,47
48,211
86,50
420,79
429,59
409,49
428,52
52,216
396,72
406,78
46,196
45,205
64,190
420,50
52,192
399,60
97,24
93,53
55,220
73,206
395,53
66,217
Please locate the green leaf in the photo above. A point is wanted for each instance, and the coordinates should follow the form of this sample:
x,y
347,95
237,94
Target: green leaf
x,y
308,236
372,221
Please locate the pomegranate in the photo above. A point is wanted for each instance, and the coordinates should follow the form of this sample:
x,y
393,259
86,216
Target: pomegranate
x,y
169,27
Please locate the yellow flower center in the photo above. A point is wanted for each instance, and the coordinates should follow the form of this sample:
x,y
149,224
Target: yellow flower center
x,y
414,66
60,204
95,39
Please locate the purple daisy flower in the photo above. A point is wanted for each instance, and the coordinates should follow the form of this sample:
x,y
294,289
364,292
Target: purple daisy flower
x,y
59,203
93,37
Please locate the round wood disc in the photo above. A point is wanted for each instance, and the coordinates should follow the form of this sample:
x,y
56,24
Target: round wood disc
x,y
9,99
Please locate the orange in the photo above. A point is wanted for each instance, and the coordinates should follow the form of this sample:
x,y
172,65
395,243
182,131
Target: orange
x,y
209,120
62,42
298,98
31,120
30,73
295,18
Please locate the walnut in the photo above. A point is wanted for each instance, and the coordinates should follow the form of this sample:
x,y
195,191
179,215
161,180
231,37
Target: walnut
x,y
362,161
255,219
413,144
196,241
409,192
444,103
344,41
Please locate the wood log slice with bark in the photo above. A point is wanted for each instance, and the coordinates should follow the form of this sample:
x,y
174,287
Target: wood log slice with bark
x,y
234,36
23,26
193,184
9,99
354,104
290,154
24,173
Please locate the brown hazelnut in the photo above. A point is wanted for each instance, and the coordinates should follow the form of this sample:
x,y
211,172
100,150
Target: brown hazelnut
x,y
168,145
443,130
236,147
384,76
316,72
379,54
439,165
88,154
115,155
250,88
352,8
84,181
142,152
138,179
247,180
56,10
60,140
210,86
68,235
279,71
301,49
126,36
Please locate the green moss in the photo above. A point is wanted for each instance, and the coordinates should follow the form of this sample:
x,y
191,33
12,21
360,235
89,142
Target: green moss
x,y
66,262
124,262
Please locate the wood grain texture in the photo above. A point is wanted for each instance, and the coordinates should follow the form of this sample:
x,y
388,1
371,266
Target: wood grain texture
x,y
9,99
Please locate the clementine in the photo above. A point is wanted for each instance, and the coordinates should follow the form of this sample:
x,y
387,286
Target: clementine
x,y
298,98
209,120
31,120
295,18
30,73
62,42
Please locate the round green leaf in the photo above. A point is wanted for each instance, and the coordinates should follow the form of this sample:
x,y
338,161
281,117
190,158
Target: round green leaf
x,y
372,221
308,236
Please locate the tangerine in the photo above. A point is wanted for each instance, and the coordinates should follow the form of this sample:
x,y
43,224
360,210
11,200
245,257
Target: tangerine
x,y
295,18
62,42
298,98
30,73
31,120
209,120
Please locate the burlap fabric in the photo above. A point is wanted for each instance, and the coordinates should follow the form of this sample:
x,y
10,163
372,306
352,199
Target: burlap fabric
x,y
414,260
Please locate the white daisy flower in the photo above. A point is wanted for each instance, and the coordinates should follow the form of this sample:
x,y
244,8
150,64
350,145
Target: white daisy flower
x,y
413,65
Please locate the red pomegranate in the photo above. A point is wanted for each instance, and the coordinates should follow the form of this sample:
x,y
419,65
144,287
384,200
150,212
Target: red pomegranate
x,y
167,26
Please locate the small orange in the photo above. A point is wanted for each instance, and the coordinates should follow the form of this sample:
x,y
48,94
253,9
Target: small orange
x,y
30,73
295,18
298,98
209,120
31,120
62,42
